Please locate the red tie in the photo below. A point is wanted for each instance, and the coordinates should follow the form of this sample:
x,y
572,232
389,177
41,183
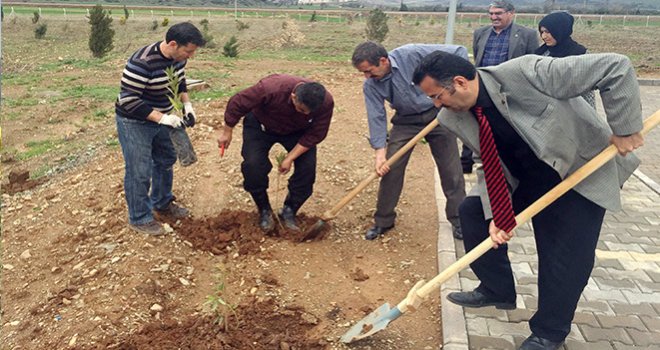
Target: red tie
x,y
500,202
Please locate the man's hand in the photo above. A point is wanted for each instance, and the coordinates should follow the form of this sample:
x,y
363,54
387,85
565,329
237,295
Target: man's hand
x,y
627,144
381,167
171,120
498,236
285,167
189,115
225,138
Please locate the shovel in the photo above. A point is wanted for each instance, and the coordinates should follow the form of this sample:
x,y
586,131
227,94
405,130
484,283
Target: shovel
x,y
318,227
379,319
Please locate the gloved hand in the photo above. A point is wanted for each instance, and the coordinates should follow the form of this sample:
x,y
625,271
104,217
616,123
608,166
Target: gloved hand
x,y
171,120
188,115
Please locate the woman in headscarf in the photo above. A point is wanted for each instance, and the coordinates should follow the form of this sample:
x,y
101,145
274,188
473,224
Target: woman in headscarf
x,y
556,29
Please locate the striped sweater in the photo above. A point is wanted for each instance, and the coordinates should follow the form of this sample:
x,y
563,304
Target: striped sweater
x,y
144,83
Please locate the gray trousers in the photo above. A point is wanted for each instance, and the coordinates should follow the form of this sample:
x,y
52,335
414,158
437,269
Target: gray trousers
x,y
445,153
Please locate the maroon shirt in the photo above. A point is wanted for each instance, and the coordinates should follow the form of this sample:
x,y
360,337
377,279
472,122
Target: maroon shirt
x,y
270,102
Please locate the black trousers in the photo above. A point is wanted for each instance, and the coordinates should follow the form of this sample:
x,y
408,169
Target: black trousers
x,y
256,165
466,158
566,233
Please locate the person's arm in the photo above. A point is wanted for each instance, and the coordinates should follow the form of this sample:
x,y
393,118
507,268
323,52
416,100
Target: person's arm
x,y
321,118
134,81
296,152
238,106
377,120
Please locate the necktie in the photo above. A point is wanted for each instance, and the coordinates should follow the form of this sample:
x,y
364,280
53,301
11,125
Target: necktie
x,y
500,202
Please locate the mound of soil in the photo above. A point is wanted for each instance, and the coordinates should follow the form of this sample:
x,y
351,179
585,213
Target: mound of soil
x,y
236,228
257,324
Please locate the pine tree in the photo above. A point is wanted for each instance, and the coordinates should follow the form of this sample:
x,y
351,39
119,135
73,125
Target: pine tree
x,y
230,49
377,25
101,35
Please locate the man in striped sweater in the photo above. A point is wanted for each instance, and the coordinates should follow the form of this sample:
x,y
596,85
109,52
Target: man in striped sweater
x,y
144,116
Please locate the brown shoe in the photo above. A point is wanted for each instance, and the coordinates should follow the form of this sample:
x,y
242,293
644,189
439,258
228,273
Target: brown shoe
x,y
174,211
152,228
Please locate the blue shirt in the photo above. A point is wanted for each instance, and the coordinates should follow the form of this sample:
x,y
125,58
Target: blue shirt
x,y
497,48
398,89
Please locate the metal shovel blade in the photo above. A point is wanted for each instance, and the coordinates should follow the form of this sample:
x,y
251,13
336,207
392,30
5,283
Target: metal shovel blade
x,y
372,323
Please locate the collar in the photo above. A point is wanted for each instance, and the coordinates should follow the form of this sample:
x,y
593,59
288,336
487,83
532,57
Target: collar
x,y
504,31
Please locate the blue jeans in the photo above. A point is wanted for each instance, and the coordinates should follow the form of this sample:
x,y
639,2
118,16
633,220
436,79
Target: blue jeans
x,y
149,156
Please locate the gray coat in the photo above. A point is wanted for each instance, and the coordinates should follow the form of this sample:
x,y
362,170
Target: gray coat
x,y
522,41
540,97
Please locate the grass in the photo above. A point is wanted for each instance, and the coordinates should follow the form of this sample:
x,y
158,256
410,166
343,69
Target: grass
x,y
37,148
97,92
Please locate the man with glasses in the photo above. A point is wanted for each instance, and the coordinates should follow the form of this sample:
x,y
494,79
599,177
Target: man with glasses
x,y
497,43
389,78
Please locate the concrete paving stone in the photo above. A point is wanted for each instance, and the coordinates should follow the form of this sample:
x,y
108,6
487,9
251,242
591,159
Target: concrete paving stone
x,y
651,249
521,269
602,246
585,318
453,323
609,237
591,285
655,275
516,248
595,307
621,322
620,346
652,323
638,298
613,263
622,226
652,221
607,284
494,343
516,257
600,272
625,247
639,265
519,315
468,273
498,328
575,333
600,295
649,257
641,240
527,280
629,217
535,267
656,307
649,287
477,326
487,312
582,345
468,284
526,289
644,338
636,309
593,334
643,232
627,275
531,302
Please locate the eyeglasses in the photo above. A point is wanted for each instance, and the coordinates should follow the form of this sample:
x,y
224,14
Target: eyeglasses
x,y
438,96
497,14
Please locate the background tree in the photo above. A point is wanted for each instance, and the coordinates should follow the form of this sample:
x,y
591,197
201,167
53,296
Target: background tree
x,y
403,7
101,35
125,12
40,31
377,25
230,49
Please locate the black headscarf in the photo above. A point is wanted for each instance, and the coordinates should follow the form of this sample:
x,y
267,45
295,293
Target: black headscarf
x,y
560,25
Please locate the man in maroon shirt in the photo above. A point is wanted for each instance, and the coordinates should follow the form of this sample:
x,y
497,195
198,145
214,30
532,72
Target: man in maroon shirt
x,y
292,111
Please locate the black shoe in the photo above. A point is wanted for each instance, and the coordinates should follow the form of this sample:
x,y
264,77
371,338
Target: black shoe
x,y
456,231
289,217
538,343
477,299
266,220
376,231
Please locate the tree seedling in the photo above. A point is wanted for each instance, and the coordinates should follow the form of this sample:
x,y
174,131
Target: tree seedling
x,y
216,305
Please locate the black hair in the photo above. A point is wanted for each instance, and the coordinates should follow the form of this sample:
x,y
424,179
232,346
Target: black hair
x,y
368,51
185,33
311,95
443,67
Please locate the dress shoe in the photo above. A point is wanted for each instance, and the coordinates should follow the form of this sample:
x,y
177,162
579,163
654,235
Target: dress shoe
x,y
476,298
266,220
376,231
537,343
289,217
456,231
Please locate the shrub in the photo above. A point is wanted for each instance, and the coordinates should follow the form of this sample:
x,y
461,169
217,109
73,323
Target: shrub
x,y
290,36
125,13
154,25
230,49
35,17
377,25
205,24
40,31
122,20
101,35
165,22
313,18
241,25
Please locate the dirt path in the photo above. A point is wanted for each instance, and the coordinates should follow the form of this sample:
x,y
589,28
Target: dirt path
x,y
73,275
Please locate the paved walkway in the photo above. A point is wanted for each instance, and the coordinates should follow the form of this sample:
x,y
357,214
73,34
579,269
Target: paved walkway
x,y
620,307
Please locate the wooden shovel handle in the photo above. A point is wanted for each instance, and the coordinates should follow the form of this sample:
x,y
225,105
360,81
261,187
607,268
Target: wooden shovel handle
x,y
599,160
354,192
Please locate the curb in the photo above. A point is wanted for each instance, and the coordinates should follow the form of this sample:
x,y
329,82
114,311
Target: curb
x,y
454,328
648,82
654,186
